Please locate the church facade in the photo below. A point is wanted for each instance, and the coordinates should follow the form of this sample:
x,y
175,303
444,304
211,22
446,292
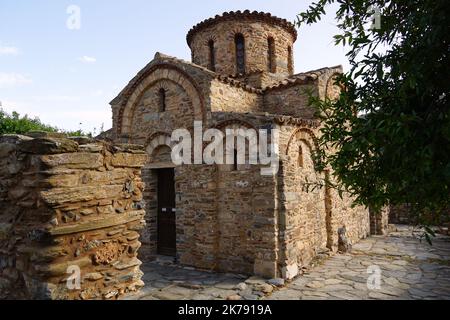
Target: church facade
x,y
230,217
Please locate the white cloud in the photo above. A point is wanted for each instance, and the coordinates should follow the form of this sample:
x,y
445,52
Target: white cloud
x,y
13,79
87,59
6,50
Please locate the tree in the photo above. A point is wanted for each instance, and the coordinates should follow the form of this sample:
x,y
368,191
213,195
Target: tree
x,y
390,126
15,124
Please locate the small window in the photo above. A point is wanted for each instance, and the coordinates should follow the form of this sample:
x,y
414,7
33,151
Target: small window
x,y
300,157
212,56
290,61
240,53
162,100
235,160
271,58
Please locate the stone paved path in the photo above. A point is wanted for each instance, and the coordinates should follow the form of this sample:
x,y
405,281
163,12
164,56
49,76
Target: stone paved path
x,y
410,269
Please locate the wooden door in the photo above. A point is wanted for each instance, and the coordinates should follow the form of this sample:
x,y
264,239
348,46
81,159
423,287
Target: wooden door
x,y
166,213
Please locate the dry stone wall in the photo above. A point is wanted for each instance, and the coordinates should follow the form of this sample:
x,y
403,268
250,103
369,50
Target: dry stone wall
x,y
68,204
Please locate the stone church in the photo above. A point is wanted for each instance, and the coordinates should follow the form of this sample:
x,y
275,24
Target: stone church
x,y
230,217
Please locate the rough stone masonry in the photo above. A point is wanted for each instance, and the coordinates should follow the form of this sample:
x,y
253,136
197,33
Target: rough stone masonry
x,y
65,203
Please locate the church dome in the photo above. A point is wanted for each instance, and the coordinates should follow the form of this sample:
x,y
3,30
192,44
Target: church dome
x,y
243,42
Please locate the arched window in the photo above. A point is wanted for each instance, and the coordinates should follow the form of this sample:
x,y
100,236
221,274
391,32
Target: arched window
x,y
271,58
162,100
300,157
240,53
290,61
212,55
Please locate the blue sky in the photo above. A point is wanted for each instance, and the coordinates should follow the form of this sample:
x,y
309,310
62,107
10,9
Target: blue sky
x,y
67,77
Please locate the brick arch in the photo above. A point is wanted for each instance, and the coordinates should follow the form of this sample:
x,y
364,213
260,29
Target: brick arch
x,y
162,84
305,135
212,37
235,31
157,140
157,73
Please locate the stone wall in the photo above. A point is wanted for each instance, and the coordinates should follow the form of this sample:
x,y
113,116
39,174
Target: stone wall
x,y
291,101
400,214
262,79
178,113
310,213
196,220
379,221
403,214
225,98
302,211
225,217
69,204
149,235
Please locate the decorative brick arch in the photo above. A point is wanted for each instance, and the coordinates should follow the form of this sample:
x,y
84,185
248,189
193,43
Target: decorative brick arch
x,y
159,72
306,135
232,34
157,140
212,37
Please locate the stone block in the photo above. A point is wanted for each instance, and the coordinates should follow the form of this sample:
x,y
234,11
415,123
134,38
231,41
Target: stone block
x,y
6,149
129,160
48,146
80,160
60,196
289,272
98,223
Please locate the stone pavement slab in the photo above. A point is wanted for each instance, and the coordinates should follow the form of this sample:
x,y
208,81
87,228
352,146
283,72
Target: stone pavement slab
x,y
407,268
